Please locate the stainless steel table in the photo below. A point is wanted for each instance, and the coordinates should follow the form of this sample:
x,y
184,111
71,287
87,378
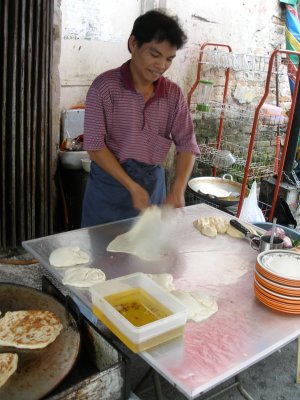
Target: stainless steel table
x,y
240,334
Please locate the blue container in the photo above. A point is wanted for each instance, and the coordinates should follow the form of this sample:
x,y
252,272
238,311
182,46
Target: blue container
x,y
291,233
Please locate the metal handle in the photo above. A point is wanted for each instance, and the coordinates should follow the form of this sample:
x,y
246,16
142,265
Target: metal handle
x,y
230,177
237,225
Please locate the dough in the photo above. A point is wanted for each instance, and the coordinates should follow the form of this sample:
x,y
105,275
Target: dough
x,y
164,280
206,225
148,238
199,306
8,365
233,232
68,257
83,276
221,224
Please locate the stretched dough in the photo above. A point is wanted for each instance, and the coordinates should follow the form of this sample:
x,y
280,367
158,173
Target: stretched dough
x,y
83,276
233,232
68,256
199,306
148,238
164,280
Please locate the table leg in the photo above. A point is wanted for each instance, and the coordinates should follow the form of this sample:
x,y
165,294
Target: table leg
x,y
298,362
156,384
241,389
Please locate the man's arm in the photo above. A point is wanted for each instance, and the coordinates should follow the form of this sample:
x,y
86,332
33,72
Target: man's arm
x,y
184,166
108,162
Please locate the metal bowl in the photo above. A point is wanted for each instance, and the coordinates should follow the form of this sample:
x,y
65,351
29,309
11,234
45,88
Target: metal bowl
x,y
220,191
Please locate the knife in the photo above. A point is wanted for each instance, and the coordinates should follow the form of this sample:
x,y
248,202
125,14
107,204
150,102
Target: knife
x,y
237,225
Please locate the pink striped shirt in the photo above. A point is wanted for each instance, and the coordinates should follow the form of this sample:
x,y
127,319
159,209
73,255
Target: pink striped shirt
x,y
117,117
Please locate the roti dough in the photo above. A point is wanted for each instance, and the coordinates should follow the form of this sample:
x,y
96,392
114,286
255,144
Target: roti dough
x,y
199,306
8,365
83,276
148,238
68,256
31,329
164,280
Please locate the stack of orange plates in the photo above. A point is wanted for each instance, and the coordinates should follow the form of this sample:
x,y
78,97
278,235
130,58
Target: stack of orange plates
x,y
277,280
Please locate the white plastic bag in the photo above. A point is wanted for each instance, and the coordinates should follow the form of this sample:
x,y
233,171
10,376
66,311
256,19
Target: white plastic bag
x,y
250,211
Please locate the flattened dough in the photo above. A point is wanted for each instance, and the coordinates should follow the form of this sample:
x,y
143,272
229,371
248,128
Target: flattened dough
x,y
68,256
148,238
83,276
164,280
199,306
231,231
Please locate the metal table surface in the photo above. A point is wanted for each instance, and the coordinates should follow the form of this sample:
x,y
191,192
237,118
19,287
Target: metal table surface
x,y
240,334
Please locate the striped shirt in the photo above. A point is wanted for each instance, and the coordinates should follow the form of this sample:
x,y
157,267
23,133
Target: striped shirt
x,y
117,117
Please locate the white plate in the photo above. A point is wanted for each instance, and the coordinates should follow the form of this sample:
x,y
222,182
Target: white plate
x,y
282,263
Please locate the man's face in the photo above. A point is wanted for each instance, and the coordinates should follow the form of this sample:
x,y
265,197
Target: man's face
x,y
151,60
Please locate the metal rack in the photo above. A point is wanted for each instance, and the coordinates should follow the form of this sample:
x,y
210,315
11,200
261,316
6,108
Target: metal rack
x,y
251,161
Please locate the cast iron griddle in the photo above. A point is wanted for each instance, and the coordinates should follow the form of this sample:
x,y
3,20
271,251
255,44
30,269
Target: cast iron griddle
x,y
41,370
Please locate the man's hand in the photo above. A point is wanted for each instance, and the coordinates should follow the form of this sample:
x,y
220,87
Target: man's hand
x,y
175,199
140,197
184,166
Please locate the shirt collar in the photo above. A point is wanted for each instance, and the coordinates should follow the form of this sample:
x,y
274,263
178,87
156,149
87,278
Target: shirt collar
x,y
159,85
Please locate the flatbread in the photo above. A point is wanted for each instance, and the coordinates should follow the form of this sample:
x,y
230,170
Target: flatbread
x,y
164,280
8,365
68,256
31,329
200,306
148,238
83,276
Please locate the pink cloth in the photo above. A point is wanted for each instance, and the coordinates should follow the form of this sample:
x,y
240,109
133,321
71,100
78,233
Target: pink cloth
x,y
117,117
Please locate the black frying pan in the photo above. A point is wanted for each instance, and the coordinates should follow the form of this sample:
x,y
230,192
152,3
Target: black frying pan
x,y
39,371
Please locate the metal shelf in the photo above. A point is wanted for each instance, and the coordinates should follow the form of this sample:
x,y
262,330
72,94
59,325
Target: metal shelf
x,y
262,165
247,63
245,115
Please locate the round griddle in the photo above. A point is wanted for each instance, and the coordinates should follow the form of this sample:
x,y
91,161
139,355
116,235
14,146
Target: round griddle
x,y
41,370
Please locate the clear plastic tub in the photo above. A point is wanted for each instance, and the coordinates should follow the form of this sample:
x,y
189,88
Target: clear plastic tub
x,y
170,319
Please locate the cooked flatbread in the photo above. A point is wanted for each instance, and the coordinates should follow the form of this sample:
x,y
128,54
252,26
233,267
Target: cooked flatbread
x,y
68,256
8,365
31,329
83,276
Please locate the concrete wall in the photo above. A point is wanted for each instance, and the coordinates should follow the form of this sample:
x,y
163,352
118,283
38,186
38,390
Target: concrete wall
x,y
94,36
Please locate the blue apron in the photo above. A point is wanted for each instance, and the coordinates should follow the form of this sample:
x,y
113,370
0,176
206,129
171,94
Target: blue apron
x,y
106,200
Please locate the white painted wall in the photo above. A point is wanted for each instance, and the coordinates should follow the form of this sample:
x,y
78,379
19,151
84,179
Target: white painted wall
x,y
95,33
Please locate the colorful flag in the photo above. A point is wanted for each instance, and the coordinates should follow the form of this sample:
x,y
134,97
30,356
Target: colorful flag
x,y
292,34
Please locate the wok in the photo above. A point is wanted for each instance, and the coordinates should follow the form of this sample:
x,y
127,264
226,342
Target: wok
x,y
41,370
220,191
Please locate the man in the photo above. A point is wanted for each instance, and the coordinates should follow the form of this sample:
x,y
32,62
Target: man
x,y
132,116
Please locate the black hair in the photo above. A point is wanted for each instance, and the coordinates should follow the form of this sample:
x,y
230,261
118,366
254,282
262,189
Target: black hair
x,y
157,25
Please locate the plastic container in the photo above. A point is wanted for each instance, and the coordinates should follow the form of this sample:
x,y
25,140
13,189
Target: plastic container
x,y
86,164
138,338
204,94
72,159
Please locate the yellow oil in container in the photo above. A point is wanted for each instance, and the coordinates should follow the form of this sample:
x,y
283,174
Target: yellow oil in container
x,y
137,306
149,310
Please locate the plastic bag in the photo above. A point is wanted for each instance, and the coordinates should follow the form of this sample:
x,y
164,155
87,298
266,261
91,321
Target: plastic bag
x,y
250,211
